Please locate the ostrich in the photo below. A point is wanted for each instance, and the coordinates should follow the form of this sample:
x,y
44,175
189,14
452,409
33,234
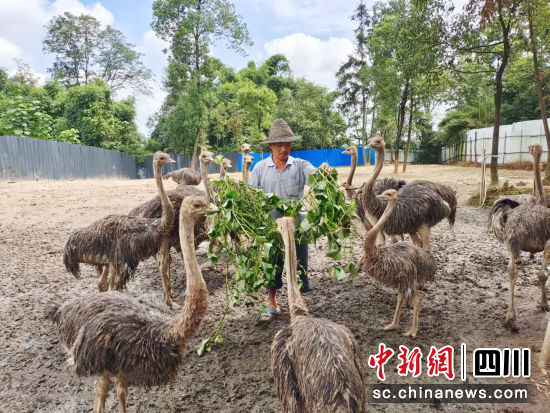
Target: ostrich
x,y
316,363
420,206
224,166
206,155
245,150
352,151
524,227
153,209
184,176
119,242
248,160
135,341
403,266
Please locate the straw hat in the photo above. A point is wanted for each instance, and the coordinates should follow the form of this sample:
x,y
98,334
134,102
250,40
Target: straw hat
x,y
280,132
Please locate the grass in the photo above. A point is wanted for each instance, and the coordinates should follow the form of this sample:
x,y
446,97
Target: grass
x,y
493,193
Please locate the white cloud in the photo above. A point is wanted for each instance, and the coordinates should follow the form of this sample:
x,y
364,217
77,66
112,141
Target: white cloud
x,y
154,58
315,59
22,24
10,52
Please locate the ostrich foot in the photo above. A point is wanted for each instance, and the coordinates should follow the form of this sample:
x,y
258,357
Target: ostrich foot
x,y
173,305
544,307
102,286
174,294
390,327
510,324
412,332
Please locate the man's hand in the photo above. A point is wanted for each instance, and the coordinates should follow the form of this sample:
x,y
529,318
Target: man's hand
x,y
325,167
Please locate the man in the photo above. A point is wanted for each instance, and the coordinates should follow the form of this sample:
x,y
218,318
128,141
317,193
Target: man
x,y
285,176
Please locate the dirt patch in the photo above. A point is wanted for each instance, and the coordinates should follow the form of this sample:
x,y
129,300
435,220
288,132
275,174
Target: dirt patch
x,y
466,304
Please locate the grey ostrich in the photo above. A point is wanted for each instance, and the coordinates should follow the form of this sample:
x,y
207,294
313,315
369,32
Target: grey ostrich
x,y
403,266
224,166
153,209
524,227
418,209
184,176
119,242
135,341
248,160
316,363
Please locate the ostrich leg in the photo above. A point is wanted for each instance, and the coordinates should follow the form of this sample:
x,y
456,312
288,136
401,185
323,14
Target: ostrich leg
x,y
121,392
543,277
513,275
416,239
164,264
416,311
101,388
395,323
545,351
102,285
424,234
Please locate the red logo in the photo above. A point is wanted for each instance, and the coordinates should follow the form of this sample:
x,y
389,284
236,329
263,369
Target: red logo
x,y
380,359
411,361
441,362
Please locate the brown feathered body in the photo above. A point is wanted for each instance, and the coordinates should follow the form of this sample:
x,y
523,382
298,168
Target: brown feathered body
x,y
315,362
153,209
380,186
119,241
317,367
402,266
527,228
124,335
184,176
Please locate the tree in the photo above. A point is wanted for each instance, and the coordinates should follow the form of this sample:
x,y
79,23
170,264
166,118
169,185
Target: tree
x,y
83,52
354,80
191,27
486,34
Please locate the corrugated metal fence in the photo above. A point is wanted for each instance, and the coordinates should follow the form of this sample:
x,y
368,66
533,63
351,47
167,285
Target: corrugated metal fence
x,y
29,158
513,143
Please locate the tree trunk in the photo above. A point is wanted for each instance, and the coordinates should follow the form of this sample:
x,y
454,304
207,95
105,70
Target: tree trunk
x,y
401,121
498,94
193,163
364,128
408,133
538,79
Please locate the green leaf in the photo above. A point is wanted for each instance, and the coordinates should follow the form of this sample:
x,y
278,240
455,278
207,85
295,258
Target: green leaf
x,y
352,269
203,347
338,273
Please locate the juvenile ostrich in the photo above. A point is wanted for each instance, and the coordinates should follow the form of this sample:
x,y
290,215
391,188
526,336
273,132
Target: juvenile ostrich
x,y
153,209
184,176
206,155
248,160
135,341
419,207
224,166
119,242
316,363
524,227
352,151
403,266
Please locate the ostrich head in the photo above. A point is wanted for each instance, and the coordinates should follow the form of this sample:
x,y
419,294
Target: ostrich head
x,y
162,158
206,156
536,151
196,206
377,142
245,148
248,160
351,150
226,163
389,195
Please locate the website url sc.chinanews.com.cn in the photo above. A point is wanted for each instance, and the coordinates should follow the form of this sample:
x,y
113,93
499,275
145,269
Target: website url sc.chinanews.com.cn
x,y
448,393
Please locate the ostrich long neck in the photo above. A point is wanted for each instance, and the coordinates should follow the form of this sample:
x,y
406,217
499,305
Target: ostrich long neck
x,y
538,192
222,171
369,199
205,179
196,298
351,173
295,302
167,219
369,245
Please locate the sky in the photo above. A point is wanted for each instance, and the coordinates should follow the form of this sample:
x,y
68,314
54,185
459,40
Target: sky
x,y
315,35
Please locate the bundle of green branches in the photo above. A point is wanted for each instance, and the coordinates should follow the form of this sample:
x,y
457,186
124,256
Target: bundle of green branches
x,y
245,229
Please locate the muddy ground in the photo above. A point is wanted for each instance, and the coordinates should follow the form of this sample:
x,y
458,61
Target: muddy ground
x,y
466,304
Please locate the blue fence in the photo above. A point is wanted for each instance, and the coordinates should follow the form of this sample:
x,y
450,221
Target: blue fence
x,y
334,157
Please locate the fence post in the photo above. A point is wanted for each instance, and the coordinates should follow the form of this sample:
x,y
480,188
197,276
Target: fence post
x,y
520,143
475,146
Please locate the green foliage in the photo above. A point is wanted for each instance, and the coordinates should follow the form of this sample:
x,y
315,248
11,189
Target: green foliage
x,y
83,52
244,227
20,116
69,136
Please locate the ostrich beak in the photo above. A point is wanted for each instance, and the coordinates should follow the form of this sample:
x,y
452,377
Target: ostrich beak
x,y
171,160
212,208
